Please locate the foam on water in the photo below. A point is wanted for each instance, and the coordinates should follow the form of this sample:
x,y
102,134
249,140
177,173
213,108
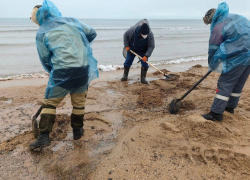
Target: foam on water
x,y
109,67
135,65
106,68
25,76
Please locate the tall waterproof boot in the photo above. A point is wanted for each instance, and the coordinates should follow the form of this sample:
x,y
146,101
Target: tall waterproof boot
x,y
125,74
77,125
231,110
77,133
143,75
43,140
45,127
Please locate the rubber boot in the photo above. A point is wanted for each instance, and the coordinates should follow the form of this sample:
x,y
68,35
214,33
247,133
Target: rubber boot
x,y
42,140
125,74
77,133
143,75
213,116
77,125
231,110
46,123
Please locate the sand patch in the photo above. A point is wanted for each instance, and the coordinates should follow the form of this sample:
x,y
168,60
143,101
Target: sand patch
x,y
129,133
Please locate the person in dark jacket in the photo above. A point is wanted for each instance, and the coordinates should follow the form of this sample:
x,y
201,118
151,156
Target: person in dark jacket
x,y
229,54
140,39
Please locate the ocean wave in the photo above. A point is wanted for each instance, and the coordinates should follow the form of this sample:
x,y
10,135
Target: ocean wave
x,y
181,60
155,63
17,30
25,76
11,26
18,44
125,28
109,67
103,28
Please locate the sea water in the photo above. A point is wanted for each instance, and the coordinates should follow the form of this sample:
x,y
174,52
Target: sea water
x,y
176,41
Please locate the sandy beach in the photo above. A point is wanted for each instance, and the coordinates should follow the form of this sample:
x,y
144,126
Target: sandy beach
x,y
129,133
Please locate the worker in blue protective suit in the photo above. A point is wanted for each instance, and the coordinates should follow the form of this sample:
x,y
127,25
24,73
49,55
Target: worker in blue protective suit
x,y
64,48
229,54
140,39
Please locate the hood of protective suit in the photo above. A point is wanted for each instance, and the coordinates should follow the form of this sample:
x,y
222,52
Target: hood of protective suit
x,y
47,12
220,13
229,41
64,48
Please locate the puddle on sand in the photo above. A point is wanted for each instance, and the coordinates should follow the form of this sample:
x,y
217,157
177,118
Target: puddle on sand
x,y
110,135
110,91
132,81
102,147
58,146
147,78
69,136
153,78
99,84
9,101
106,139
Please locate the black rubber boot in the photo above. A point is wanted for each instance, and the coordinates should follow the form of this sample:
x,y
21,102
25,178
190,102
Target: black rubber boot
x,y
77,133
143,75
125,74
77,125
213,116
42,140
231,110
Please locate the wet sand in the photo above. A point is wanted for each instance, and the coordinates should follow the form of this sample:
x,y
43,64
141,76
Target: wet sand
x,y
129,133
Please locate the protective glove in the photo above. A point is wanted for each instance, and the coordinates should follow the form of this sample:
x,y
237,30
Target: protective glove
x,y
144,59
127,48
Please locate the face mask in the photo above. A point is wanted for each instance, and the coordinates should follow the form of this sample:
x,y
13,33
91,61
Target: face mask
x,y
33,16
144,36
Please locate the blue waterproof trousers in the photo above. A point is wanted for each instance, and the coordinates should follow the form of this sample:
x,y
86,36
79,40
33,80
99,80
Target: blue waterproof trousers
x,y
229,88
130,58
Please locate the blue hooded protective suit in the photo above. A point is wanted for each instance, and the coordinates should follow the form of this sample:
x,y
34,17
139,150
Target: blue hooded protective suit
x,y
64,48
229,44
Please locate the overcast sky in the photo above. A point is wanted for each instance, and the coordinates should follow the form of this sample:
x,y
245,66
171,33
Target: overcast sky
x,y
125,9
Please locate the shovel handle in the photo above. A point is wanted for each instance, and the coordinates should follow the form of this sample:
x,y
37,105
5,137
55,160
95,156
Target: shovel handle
x,y
39,111
149,63
195,85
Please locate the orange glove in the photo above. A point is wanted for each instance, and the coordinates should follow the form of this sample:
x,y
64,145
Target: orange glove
x,y
127,48
144,58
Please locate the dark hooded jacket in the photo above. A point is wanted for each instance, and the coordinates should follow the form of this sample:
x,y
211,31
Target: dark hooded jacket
x,y
132,39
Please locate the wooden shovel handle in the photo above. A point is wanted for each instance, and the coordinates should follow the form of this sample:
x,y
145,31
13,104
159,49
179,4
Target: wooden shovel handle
x,y
147,62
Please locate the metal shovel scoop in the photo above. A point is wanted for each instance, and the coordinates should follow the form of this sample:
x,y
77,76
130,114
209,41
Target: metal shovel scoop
x,y
35,130
168,77
176,104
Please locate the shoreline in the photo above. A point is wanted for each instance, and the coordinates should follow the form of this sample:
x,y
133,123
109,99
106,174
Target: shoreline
x,y
106,75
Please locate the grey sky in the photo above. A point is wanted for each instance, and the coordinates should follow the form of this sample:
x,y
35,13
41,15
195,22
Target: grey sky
x,y
125,9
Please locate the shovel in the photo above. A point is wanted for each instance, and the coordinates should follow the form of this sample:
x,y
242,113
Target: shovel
x,y
176,104
168,77
35,124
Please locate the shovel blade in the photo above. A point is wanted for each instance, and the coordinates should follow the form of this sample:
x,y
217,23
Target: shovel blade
x,y
35,127
175,106
171,77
